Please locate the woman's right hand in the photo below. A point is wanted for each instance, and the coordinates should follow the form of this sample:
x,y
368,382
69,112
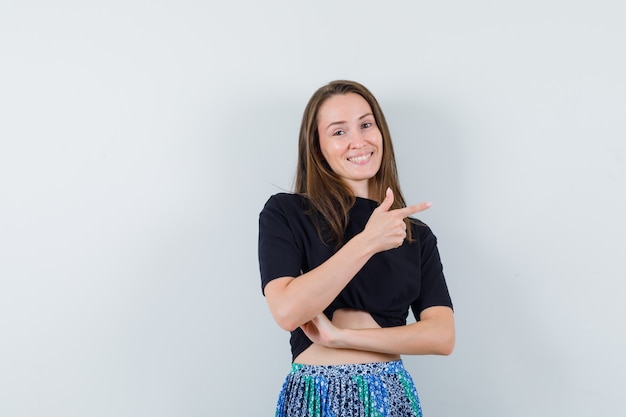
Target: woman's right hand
x,y
386,228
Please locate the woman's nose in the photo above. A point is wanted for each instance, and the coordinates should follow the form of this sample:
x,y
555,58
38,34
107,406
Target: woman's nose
x,y
358,141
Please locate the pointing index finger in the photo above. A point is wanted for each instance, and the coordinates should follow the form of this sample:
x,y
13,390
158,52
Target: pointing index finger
x,y
415,208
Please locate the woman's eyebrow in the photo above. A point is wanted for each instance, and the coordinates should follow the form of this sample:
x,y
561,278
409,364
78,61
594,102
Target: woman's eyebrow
x,y
343,121
336,123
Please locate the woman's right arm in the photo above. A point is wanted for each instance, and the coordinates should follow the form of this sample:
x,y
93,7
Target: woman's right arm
x,y
295,301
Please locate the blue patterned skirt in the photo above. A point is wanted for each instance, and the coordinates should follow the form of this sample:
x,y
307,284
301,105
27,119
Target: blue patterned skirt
x,y
380,389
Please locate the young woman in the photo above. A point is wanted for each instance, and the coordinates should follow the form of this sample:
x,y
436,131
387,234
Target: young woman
x,y
342,262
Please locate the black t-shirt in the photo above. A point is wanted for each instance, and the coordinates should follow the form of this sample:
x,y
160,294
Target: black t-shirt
x,y
387,285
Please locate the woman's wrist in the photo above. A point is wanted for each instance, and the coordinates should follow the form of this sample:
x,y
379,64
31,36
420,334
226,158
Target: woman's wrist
x,y
364,244
342,338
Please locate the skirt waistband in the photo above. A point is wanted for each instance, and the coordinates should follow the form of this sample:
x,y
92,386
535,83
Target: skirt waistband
x,y
348,370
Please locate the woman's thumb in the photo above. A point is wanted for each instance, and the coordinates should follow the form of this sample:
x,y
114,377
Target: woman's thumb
x,y
387,202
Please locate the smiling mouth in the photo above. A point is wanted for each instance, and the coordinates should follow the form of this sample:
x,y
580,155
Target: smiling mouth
x,y
360,159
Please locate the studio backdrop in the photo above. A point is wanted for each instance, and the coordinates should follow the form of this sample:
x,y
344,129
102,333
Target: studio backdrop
x,y
140,140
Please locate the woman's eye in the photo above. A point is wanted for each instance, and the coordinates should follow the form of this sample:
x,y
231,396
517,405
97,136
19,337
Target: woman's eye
x,y
366,125
338,133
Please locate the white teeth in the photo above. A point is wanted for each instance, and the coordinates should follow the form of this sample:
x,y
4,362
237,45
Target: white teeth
x,y
360,158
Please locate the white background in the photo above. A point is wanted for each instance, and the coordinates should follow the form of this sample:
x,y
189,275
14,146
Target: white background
x,y
139,141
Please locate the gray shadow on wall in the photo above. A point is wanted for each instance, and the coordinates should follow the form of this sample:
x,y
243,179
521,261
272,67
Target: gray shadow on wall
x,y
429,141
431,144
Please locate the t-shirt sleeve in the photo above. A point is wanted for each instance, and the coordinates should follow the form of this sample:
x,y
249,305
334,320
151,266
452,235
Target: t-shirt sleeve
x,y
434,290
280,254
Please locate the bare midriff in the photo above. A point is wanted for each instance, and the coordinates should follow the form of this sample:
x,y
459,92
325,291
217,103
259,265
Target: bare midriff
x,y
345,319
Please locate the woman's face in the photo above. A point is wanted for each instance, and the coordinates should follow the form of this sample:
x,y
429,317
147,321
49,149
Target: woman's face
x,y
350,140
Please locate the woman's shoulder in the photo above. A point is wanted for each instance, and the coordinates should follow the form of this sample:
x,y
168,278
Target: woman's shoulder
x,y
422,231
287,202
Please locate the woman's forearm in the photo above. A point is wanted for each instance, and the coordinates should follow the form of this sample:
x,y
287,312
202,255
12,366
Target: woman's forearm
x,y
433,334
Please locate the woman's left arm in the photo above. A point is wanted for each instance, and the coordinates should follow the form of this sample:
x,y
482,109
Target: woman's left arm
x,y
433,334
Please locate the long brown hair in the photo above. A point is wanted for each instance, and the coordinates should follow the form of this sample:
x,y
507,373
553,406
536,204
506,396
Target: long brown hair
x,y
329,196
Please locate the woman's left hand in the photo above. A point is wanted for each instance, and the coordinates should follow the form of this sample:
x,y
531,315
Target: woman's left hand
x,y
322,331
